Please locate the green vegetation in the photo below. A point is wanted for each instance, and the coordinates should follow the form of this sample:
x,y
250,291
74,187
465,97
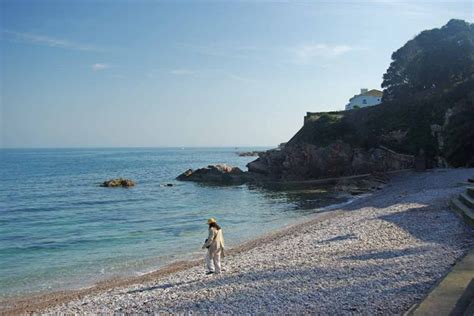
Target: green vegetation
x,y
459,144
432,62
428,102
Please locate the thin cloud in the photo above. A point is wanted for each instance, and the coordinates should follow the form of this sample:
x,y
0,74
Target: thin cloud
x,y
306,53
99,67
208,73
421,9
403,7
240,78
118,76
300,54
47,41
227,50
182,72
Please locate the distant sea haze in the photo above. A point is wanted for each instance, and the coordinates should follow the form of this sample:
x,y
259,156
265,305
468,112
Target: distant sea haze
x,y
60,230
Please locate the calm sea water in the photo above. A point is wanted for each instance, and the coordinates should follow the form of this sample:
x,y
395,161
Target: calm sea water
x,y
60,230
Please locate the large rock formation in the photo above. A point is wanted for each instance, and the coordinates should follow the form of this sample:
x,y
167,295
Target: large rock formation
x,y
307,161
219,174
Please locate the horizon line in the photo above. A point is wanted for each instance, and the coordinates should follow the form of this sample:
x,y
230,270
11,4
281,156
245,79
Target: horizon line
x,y
139,147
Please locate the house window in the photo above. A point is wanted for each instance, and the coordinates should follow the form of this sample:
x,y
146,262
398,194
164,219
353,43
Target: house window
x,y
364,101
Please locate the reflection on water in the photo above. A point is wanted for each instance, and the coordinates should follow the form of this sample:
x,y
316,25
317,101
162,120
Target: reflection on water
x,y
301,198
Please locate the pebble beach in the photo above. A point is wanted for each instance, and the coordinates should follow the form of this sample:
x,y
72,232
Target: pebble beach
x,y
378,255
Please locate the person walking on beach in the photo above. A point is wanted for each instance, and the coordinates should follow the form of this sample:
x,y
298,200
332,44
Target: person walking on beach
x,y
215,247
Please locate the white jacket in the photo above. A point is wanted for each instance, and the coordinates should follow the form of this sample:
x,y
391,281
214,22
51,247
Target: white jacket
x,y
215,240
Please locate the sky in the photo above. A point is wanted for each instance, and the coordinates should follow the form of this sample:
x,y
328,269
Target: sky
x,y
192,73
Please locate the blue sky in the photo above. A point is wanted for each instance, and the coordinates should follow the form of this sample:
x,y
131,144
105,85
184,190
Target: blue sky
x,y
151,73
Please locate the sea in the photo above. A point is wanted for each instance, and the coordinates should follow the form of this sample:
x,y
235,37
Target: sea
x,y
60,230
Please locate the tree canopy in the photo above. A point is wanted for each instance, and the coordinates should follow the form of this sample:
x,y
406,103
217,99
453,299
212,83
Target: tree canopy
x,y
430,62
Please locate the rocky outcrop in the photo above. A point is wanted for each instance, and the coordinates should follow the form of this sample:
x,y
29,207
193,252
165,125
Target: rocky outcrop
x,y
249,153
339,159
118,183
304,162
219,174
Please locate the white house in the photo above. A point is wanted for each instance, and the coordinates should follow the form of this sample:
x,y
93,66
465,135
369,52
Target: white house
x,y
365,98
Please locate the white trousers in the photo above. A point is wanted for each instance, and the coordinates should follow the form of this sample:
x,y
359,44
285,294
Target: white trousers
x,y
213,261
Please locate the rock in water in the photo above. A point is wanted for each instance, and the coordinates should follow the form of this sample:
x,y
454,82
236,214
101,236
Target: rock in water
x,y
221,173
249,153
118,183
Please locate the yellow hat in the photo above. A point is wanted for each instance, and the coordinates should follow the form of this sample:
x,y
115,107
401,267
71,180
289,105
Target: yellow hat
x,y
211,220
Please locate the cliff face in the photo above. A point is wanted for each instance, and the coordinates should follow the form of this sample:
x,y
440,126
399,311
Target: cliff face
x,y
304,161
428,109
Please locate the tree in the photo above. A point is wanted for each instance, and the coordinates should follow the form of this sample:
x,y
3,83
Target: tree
x,y
459,134
433,60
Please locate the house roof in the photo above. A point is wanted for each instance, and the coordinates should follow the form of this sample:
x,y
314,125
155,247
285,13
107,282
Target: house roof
x,y
374,93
